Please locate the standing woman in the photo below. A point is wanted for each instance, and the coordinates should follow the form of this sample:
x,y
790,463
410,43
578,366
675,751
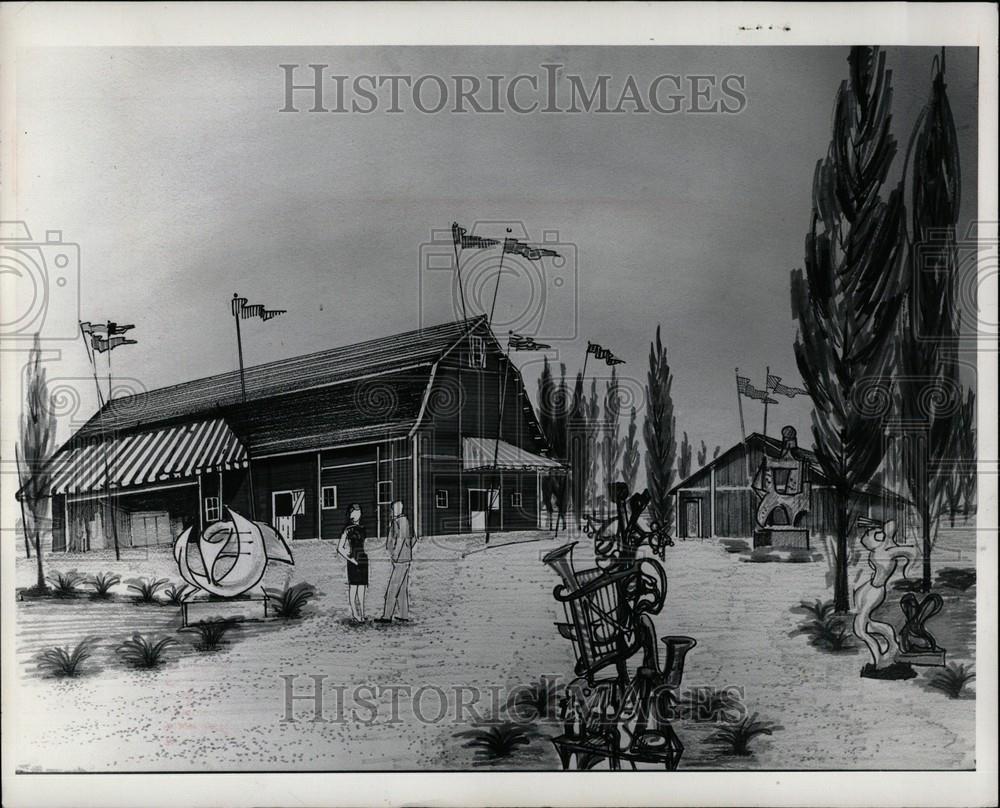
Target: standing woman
x,y
352,547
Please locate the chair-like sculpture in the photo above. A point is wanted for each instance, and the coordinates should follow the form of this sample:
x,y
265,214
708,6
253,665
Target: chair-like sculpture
x,y
609,713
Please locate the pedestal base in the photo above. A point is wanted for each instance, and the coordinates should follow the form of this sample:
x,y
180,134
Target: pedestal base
x,y
781,538
927,659
196,610
897,670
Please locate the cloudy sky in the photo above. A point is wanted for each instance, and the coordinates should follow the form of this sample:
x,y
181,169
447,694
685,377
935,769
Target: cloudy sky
x,y
181,181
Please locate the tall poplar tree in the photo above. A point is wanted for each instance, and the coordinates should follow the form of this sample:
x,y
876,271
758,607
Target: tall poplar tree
x,y
658,434
848,297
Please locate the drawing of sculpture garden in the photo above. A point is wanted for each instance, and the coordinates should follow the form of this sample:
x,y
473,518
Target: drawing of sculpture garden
x,y
461,541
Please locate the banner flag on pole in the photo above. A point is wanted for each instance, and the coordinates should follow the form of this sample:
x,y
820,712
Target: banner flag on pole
x,y
600,352
244,311
512,245
774,385
746,389
519,343
466,242
101,344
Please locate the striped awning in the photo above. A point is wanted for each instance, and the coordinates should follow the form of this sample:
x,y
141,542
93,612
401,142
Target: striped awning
x,y
478,454
155,456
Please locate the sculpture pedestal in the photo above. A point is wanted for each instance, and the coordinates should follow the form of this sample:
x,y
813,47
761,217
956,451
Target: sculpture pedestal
x,y
781,538
237,608
927,659
897,670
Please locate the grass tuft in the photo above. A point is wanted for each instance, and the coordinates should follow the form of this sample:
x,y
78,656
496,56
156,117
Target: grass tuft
x,y
102,583
66,661
64,584
953,679
146,589
145,652
288,603
177,595
497,741
826,630
211,633
537,700
735,739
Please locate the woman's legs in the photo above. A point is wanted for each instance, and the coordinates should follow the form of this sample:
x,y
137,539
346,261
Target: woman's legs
x,y
352,597
362,591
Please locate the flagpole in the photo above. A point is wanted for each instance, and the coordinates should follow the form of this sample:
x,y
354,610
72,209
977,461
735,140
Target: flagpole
x,y
239,345
243,387
767,374
743,430
104,434
496,445
496,288
458,272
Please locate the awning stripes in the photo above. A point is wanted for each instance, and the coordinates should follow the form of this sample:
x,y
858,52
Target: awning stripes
x,y
148,457
478,453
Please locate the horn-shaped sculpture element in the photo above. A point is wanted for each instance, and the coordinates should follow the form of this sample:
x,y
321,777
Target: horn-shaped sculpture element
x,y
561,560
230,557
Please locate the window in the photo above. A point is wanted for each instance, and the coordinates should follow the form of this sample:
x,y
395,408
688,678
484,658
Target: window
x,y
440,498
477,352
329,497
213,509
385,492
515,499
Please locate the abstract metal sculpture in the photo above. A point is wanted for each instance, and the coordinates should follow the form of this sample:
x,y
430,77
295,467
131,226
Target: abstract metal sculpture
x,y
780,485
609,612
230,556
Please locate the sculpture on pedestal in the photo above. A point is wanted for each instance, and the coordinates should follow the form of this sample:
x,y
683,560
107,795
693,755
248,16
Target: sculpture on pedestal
x,y
783,493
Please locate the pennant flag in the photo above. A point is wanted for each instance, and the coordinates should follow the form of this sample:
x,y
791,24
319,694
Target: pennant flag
x,y
103,344
748,390
774,385
512,245
244,311
614,360
519,343
598,351
467,242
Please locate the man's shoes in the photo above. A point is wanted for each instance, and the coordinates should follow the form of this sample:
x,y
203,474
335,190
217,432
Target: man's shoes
x,y
401,619
382,620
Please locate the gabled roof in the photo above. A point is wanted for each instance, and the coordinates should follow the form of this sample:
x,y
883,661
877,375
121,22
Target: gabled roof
x,y
412,352
772,447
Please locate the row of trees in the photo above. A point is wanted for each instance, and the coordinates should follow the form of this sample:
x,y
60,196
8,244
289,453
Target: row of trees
x,y
876,306
584,428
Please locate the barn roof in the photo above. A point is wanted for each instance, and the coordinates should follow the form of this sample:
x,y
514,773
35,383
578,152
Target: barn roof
x,y
411,353
772,447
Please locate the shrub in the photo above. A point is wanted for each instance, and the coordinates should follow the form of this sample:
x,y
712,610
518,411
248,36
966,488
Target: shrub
x,y
953,679
66,661
143,652
536,700
102,583
176,595
497,741
146,589
826,630
64,584
288,603
211,633
956,578
735,739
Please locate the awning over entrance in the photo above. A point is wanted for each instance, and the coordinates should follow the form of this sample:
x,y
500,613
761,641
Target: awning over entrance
x,y
156,456
478,454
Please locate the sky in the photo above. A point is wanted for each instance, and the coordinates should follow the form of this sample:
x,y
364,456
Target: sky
x,y
182,183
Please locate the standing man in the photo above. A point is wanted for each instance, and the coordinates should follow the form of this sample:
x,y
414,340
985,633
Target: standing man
x,y
400,546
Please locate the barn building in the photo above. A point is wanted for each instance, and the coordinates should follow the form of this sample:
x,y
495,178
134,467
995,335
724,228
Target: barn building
x,y
719,500
414,416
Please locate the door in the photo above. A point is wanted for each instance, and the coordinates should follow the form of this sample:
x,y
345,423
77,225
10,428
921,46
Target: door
x,y
285,506
692,518
150,528
479,501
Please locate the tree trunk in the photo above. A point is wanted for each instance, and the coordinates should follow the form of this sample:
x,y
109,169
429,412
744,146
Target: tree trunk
x,y
38,557
925,518
841,597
